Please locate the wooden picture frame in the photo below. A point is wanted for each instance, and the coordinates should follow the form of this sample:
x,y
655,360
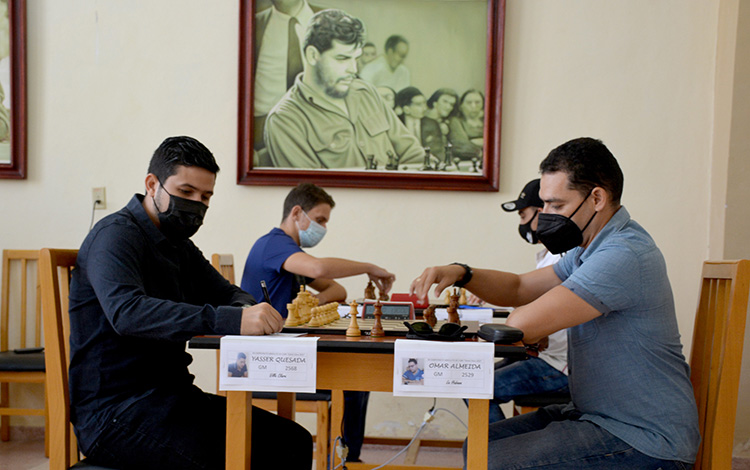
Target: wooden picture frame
x,y
484,176
13,140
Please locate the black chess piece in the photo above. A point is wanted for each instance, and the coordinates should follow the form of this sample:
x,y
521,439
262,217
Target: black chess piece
x,y
426,166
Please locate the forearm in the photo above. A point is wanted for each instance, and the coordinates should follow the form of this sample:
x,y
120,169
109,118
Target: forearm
x,y
335,268
333,293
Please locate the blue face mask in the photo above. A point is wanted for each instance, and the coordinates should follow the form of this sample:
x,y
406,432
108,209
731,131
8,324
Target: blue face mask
x,y
312,235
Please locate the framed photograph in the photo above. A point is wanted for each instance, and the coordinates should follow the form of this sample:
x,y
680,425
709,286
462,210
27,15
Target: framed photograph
x,y
13,89
401,94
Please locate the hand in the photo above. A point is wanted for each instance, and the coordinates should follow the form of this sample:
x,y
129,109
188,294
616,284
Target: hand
x,y
443,276
472,299
260,319
383,279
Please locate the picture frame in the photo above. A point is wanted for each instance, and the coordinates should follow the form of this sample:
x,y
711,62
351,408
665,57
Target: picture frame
x,y
482,174
13,81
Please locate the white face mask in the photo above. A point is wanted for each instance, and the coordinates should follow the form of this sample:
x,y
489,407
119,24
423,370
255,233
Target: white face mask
x,y
312,235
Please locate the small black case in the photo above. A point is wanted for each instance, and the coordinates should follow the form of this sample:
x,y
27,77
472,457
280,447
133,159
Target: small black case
x,y
499,333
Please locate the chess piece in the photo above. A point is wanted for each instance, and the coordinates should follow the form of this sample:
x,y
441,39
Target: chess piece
x,y
353,329
462,298
377,329
315,319
383,296
292,318
447,300
453,309
429,316
370,291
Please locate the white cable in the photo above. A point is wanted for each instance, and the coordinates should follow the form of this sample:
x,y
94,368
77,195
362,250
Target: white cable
x,y
424,423
454,414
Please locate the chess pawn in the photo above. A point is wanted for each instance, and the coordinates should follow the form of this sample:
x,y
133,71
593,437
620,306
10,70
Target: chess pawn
x,y
315,320
370,291
377,329
292,318
429,316
353,329
383,296
462,298
334,312
447,300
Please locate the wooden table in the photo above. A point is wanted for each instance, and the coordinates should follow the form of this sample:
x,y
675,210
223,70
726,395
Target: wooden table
x,y
356,364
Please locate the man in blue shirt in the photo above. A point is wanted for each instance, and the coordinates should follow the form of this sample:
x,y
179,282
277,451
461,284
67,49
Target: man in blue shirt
x,y
278,259
632,401
413,374
139,291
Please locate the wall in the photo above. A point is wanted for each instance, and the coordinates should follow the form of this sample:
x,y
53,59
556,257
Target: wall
x,y
108,80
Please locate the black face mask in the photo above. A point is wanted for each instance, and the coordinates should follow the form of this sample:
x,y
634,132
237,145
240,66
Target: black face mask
x,y
559,233
527,233
182,218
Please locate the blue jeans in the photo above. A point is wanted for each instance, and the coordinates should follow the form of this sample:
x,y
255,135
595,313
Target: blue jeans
x,y
186,429
514,378
552,440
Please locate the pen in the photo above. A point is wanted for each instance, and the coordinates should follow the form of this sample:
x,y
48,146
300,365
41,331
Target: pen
x,y
266,297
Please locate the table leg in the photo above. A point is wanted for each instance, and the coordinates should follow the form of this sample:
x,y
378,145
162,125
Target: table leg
x,y
337,416
286,405
478,442
239,426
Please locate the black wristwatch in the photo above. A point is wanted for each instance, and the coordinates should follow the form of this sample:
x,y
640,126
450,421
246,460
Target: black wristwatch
x,y
467,275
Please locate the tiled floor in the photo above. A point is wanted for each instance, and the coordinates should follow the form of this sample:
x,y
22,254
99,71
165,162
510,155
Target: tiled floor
x,y
28,454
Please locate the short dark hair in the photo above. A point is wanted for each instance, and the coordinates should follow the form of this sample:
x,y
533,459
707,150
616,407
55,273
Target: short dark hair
x,y
327,25
368,44
411,359
307,196
404,96
393,41
241,356
180,150
440,92
588,163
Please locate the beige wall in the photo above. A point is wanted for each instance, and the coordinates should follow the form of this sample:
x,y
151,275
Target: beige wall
x,y
108,80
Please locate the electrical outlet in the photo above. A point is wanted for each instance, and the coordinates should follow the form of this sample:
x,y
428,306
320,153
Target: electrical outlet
x,y
99,198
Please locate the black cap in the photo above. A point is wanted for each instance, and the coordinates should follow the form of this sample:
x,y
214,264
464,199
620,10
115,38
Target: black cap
x,y
528,197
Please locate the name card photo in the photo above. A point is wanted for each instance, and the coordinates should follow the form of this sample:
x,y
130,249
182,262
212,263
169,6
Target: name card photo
x,y
443,369
268,364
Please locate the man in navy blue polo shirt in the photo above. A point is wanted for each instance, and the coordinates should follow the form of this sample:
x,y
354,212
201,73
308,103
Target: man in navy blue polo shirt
x,y
632,401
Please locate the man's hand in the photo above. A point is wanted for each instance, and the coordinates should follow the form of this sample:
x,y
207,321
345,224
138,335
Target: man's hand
x,y
382,278
443,276
260,319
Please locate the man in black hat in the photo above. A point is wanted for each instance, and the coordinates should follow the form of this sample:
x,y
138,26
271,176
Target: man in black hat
x,y
549,371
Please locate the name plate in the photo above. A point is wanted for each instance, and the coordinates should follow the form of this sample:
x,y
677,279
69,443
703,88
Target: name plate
x,y
268,364
443,369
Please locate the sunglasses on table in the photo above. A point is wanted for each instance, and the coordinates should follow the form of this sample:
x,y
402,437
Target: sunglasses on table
x,y
447,332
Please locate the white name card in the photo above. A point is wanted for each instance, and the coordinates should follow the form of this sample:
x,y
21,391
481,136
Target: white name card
x,y
443,369
481,315
268,364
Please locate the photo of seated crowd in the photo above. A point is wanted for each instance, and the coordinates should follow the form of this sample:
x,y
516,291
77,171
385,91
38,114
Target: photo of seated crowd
x,y
343,88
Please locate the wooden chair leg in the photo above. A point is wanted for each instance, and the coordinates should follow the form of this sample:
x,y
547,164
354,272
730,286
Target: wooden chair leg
x,y
46,422
412,453
322,436
4,419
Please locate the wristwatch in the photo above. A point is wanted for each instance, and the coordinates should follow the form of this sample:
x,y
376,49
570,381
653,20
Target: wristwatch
x,y
467,275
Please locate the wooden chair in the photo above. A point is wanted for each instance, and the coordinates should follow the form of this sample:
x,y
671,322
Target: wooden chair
x,y
716,357
54,272
318,403
18,365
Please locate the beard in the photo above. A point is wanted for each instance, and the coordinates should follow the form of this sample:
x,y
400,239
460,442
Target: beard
x,y
328,83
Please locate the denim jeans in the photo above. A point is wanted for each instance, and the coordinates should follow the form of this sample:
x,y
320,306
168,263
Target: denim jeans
x,y
552,440
186,431
514,378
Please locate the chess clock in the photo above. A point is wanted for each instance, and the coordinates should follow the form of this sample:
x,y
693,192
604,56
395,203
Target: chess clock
x,y
391,310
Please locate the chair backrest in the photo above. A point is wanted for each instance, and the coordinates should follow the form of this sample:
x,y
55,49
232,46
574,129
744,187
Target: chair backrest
x,y
716,357
54,269
225,265
21,322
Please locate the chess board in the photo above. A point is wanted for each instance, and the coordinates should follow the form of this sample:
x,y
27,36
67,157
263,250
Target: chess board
x,y
391,327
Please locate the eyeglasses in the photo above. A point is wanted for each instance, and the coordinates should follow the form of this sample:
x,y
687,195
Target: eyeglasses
x,y
447,332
